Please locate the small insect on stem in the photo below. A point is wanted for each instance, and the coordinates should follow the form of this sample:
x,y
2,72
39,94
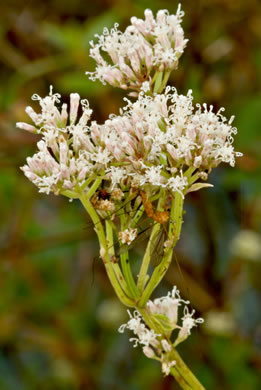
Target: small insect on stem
x,y
102,201
103,195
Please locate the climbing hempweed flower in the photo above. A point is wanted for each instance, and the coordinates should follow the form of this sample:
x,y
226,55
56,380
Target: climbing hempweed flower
x,y
153,142
67,155
143,49
159,346
158,138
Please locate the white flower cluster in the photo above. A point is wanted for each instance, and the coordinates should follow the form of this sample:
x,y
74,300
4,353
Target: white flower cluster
x,y
146,46
145,336
152,142
167,306
157,138
68,154
128,235
164,311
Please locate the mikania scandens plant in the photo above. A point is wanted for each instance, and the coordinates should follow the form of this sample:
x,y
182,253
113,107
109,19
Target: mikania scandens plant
x,y
137,166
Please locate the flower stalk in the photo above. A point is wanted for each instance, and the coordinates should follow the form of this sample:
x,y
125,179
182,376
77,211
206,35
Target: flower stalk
x,y
137,296
143,273
183,374
174,232
117,281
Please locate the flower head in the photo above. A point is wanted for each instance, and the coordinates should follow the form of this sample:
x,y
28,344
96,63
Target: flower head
x,y
164,311
188,322
67,153
167,306
150,144
145,47
157,138
128,235
144,335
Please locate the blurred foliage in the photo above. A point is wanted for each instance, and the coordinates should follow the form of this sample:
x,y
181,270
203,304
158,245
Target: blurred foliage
x,y
58,313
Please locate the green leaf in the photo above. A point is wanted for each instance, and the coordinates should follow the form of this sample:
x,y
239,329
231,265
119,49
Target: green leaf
x,y
198,186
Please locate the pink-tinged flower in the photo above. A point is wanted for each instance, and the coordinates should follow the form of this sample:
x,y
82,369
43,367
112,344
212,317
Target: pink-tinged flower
x,y
151,143
157,138
167,306
68,152
144,48
188,322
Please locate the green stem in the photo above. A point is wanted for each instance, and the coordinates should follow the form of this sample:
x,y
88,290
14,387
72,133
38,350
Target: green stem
x,y
115,265
93,188
179,378
174,233
143,274
194,178
191,382
189,171
70,194
164,81
137,217
125,264
88,181
158,81
84,198
148,319
125,287
154,77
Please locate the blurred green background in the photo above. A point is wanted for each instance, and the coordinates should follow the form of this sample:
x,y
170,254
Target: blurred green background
x,y
58,313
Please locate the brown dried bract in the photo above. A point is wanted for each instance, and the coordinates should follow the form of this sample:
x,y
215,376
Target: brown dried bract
x,y
102,204
161,217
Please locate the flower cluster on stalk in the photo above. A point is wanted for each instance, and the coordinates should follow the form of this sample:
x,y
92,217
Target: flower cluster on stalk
x,y
66,155
163,312
144,48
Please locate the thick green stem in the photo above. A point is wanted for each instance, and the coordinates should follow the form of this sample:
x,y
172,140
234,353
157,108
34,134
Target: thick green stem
x,y
182,369
70,194
179,378
174,233
93,188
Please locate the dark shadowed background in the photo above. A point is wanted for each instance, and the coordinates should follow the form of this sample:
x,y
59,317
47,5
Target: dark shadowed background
x,y
58,313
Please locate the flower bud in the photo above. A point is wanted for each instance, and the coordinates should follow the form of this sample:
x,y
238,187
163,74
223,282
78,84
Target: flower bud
x,y
165,345
148,352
